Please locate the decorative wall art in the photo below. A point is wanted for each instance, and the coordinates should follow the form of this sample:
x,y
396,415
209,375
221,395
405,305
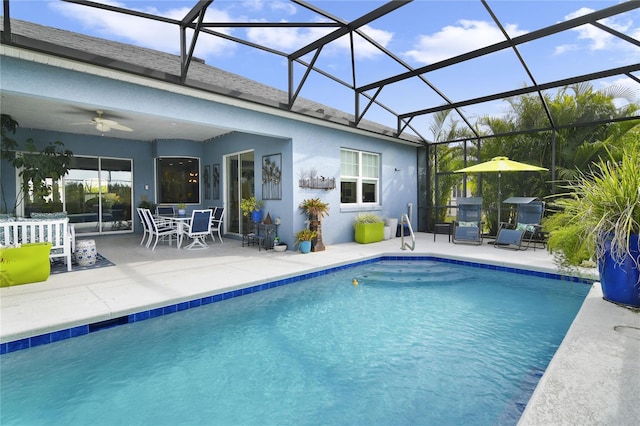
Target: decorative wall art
x,y
207,182
272,177
215,180
310,179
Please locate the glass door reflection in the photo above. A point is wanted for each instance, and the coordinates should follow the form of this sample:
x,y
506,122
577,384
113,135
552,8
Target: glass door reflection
x,y
98,195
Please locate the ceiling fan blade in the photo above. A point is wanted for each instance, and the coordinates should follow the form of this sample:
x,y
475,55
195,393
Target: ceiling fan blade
x,y
105,121
102,126
121,127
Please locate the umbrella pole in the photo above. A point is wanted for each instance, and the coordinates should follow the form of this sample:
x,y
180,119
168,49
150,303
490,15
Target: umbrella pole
x,y
499,197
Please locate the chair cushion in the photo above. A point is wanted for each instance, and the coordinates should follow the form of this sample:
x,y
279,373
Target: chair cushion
x,y
468,224
58,215
526,227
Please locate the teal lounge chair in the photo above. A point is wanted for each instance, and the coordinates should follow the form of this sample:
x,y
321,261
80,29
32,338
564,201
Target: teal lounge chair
x,y
526,232
467,228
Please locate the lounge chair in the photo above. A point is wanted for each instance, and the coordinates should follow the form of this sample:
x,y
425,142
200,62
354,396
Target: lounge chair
x,y
526,232
467,228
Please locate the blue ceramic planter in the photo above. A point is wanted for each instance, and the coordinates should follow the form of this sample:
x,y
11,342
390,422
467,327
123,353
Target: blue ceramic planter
x,y
305,246
256,216
621,282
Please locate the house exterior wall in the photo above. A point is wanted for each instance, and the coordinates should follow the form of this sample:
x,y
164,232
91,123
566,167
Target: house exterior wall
x,y
303,145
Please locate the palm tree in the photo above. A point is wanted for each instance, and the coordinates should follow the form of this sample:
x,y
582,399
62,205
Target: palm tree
x,y
577,147
449,157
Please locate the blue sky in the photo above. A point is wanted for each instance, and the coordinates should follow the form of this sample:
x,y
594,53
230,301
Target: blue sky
x,y
424,32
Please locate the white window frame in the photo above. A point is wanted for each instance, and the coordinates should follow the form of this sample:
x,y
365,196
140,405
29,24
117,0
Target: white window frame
x,y
359,179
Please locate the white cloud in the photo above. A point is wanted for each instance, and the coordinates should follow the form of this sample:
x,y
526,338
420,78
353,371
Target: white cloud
x,y
598,39
363,48
145,32
285,7
288,39
564,48
255,5
277,5
285,39
453,40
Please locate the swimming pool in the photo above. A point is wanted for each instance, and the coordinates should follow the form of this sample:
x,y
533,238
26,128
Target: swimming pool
x,y
415,342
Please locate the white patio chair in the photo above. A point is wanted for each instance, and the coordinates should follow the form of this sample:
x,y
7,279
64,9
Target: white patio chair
x,y
158,229
145,226
198,229
216,222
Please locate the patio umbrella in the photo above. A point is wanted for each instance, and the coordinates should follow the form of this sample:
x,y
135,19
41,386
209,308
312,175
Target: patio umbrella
x,y
499,165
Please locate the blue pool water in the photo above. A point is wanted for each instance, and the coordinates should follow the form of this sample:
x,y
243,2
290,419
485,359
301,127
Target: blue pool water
x,y
415,342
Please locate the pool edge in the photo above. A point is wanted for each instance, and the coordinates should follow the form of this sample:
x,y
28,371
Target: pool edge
x,y
37,338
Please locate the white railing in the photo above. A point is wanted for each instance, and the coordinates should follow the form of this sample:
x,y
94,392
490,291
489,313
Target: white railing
x,y
403,246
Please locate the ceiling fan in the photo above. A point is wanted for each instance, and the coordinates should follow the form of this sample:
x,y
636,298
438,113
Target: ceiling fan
x,y
105,125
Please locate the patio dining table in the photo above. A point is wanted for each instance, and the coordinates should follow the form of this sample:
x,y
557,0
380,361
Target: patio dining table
x,y
178,223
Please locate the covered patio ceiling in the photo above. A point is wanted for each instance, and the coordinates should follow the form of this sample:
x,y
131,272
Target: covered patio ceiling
x,y
404,94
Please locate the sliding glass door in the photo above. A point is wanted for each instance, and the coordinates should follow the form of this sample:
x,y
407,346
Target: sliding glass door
x,y
240,183
98,194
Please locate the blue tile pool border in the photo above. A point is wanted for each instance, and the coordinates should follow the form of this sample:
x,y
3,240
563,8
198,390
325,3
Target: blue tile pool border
x,y
56,336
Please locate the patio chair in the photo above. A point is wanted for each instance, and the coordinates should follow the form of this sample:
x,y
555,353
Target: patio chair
x,y
198,229
216,221
165,211
145,226
158,229
467,228
164,214
526,232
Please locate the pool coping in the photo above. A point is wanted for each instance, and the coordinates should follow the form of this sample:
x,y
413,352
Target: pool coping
x,y
594,376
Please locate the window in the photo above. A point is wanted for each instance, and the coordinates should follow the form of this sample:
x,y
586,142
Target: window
x,y
359,177
178,180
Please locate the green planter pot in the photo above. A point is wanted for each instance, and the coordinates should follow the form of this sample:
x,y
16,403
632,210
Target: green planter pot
x,y
369,232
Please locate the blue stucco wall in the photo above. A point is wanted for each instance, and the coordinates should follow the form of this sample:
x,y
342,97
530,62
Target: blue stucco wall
x,y
304,145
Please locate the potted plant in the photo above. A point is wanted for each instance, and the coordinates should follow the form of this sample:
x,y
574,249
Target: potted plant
x,y
369,228
252,207
600,217
146,204
182,209
304,238
279,245
315,209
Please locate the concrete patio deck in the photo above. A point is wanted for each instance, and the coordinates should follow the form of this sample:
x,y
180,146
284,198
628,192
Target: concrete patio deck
x,y
594,377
